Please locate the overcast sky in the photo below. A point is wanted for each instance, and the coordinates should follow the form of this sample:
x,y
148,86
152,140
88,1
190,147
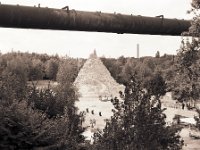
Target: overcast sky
x,y
81,44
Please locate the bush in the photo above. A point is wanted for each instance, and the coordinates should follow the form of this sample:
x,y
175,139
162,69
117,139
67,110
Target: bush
x,y
23,127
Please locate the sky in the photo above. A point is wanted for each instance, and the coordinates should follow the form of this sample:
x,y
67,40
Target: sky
x,y
81,44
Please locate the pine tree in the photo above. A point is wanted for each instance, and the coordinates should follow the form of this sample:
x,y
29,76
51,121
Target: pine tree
x,y
187,84
157,54
190,56
138,123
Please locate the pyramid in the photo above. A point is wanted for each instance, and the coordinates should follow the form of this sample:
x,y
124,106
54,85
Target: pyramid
x,y
95,80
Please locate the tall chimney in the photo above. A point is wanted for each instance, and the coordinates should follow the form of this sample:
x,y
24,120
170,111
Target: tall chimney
x,y
138,51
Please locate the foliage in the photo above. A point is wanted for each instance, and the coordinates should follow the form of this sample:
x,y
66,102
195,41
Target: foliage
x,y
32,118
51,68
146,67
36,70
114,68
157,86
22,127
157,54
13,81
138,123
59,102
68,71
187,85
43,123
34,64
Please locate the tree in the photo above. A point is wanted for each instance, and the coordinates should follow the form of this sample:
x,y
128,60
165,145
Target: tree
x,y
138,123
114,67
157,86
36,70
13,80
157,54
60,103
51,69
144,72
67,71
150,63
188,72
24,127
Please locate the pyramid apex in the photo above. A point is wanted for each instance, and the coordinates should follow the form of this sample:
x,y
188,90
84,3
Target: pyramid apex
x,y
94,54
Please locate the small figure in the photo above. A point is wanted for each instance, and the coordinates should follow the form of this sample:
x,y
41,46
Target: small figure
x,y
92,112
176,104
121,95
183,105
100,114
87,110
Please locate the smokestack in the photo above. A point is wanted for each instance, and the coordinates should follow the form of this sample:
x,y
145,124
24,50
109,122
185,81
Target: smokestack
x,y
138,51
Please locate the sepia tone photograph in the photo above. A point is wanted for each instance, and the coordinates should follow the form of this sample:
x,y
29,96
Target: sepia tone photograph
x,y
100,75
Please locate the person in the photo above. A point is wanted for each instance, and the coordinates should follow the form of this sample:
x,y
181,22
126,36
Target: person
x,y
100,114
183,105
121,95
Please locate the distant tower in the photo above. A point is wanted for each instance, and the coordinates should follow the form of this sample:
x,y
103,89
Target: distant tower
x,y
138,51
95,53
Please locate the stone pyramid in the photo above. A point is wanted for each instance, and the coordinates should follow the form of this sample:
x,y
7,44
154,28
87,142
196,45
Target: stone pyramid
x,y
95,80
